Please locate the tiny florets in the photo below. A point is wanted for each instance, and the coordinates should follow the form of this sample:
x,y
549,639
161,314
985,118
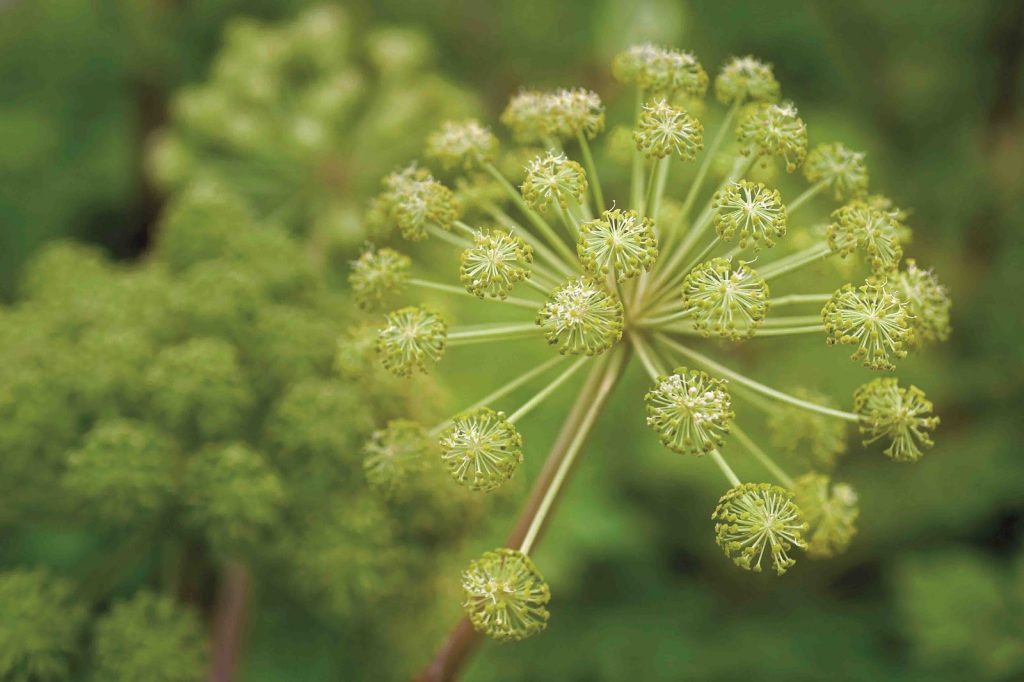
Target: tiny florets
x,y
872,229
573,112
553,178
412,338
494,264
664,129
751,209
582,317
841,168
481,449
726,300
775,130
927,302
527,115
621,242
505,595
871,317
377,274
395,454
465,144
690,411
745,78
413,201
758,521
662,71
903,416
830,511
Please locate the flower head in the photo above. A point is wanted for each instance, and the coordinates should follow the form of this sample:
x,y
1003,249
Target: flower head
x,y
482,449
553,178
582,317
690,410
505,595
871,228
730,301
903,416
775,130
662,71
817,439
751,209
528,116
831,514
664,129
927,302
496,261
412,338
413,201
572,112
394,454
622,242
745,78
758,521
463,144
840,167
376,274
871,317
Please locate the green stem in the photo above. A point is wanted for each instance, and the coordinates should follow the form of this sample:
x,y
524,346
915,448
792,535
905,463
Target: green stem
x,y
570,223
792,320
595,182
452,289
716,456
538,246
806,196
446,236
664,319
543,394
790,331
705,163
658,186
797,261
636,194
793,299
500,333
761,456
647,357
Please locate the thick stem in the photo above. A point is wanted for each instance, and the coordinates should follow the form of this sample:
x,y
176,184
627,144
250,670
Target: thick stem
x,y
797,261
636,194
761,456
543,394
229,622
460,291
806,196
793,299
461,337
595,182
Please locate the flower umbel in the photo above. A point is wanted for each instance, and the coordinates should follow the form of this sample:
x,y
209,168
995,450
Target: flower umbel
x,y
759,521
775,130
665,129
871,317
505,597
553,179
621,242
744,78
726,300
494,264
831,514
840,168
377,274
903,416
482,449
412,339
751,209
872,229
689,410
465,145
927,302
582,317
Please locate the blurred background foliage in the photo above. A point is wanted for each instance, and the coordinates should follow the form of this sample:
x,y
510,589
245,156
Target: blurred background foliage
x,y
90,90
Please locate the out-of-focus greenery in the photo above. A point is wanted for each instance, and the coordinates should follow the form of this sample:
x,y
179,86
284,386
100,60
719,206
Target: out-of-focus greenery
x,y
932,586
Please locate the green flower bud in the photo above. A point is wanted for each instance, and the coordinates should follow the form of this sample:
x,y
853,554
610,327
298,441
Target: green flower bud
x,y
573,112
481,449
662,71
505,595
871,317
466,145
690,411
664,129
394,455
873,230
927,302
902,416
745,78
528,116
728,301
759,521
582,317
413,200
831,514
774,130
377,274
751,209
553,179
817,439
495,263
841,168
412,339
621,242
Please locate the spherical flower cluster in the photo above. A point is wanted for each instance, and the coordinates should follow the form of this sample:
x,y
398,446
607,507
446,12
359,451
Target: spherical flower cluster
x,y
466,145
377,274
553,179
775,130
751,209
413,201
481,449
759,521
840,168
394,454
582,317
871,317
817,439
902,416
505,595
871,228
664,129
411,339
620,242
725,300
831,514
689,410
746,78
661,71
535,116
927,302
494,264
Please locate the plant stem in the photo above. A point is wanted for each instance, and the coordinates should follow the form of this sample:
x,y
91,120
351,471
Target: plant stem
x,y
789,320
444,235
805,196
542,395
595,182
797,261
800,298
229,621
789,331
452,289
636,194
705,163
761,456
499,333
538,246
716,456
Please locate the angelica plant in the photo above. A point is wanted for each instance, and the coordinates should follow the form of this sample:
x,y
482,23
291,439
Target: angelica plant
x,y
683,261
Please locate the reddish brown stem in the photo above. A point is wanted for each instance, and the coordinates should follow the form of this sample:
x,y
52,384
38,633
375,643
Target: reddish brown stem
x,y
229,624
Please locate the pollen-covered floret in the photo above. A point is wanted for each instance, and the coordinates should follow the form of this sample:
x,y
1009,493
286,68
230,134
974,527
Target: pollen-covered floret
x,y
690,410
759,521
377,274
497,260
572,112
582,317
902,416
841,168
927,302
831,513
752,210
505,597
815,438
664,129
744,78
413,338
481,449
775,130
413,201
395,454
725,300
621,242
869,227
462,144
553,178
871,317
661,71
